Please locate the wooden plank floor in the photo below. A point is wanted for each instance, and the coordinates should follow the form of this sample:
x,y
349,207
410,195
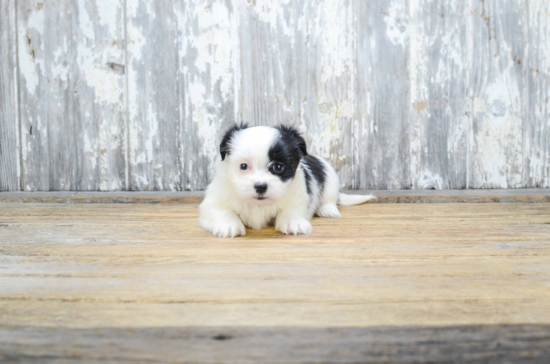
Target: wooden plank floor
x,y
386,283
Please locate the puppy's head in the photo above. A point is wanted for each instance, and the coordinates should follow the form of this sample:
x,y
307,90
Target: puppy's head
x,y
262,161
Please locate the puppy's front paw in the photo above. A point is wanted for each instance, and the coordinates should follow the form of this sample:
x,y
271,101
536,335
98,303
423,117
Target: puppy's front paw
x,y
295,227
228,229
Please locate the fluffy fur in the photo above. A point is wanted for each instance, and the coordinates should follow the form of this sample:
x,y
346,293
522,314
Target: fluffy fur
x,y
266,177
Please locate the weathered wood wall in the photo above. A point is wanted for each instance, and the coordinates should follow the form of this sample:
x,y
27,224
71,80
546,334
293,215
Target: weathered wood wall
x,y
397,94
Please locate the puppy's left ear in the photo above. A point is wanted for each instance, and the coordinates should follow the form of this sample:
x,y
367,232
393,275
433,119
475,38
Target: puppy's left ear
x,y
292,135
302,145
225,145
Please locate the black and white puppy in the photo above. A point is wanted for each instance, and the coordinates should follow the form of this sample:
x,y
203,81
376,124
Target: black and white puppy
x,y
265,177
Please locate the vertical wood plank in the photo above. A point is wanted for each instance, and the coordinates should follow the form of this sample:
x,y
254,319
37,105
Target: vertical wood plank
x,y
9,113
439,116
154,96
41,100
499,85
324,71
266,41
537,120
99,110
297,68
71,95
381,118
207,64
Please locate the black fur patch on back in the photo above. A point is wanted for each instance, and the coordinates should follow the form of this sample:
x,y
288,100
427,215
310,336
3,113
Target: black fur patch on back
x,y
317,170
225,144
308,181
288,150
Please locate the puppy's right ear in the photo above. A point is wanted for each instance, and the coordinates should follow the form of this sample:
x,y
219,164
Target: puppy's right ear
x,y
225,146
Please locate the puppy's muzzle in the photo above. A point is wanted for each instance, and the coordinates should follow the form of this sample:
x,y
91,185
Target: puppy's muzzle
x,y
260,188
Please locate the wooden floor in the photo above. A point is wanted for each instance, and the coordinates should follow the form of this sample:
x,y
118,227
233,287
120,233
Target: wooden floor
x,y
386,283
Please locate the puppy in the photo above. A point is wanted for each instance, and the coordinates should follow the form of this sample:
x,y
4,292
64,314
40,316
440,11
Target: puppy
x,y
266,177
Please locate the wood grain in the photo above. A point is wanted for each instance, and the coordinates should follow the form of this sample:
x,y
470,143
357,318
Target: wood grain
x,y
464,344
537,114
297,69
71,72
208,65
155,95
498,83
10,172
134,95
99,108
439,106
381,117
417,277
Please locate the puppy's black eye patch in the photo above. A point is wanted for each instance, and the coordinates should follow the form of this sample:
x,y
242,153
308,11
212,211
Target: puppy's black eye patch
x,y
286,157
244,166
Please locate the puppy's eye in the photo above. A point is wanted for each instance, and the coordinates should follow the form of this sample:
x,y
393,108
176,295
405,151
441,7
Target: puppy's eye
x,y
244,166
277,168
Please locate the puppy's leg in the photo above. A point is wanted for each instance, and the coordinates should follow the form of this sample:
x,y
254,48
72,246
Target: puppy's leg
x,y
328,210
222,223
293,220
329,198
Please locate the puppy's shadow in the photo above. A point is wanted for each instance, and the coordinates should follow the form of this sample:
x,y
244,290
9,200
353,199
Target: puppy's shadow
x,y
267,233
270,233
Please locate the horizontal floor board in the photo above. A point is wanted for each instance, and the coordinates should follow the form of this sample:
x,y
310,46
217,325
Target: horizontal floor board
x,y
449,344
386,282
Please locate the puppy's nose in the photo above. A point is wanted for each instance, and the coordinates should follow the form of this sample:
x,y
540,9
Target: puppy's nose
x,y
260,187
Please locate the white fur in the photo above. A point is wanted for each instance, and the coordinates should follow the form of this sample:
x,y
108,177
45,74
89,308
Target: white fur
x,y
231,201
347,200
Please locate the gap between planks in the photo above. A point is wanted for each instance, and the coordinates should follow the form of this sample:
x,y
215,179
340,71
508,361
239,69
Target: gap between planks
x,y
532,195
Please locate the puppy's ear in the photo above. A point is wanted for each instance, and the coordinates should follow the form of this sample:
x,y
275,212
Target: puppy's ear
x,y
225,147
302,145
293,138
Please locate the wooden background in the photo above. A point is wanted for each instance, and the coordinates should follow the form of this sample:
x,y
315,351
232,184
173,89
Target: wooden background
x,y
397,94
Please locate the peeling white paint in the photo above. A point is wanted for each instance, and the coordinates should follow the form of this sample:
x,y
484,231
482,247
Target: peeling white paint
x,y
329,138
499,142
59,69
29,44
136,41
106,84
85,23
108,14
209,140
27,67
429,181
209,84
153,130
396,20
334,42
196,95
418,94
90,150
142,180
269,12
306,73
